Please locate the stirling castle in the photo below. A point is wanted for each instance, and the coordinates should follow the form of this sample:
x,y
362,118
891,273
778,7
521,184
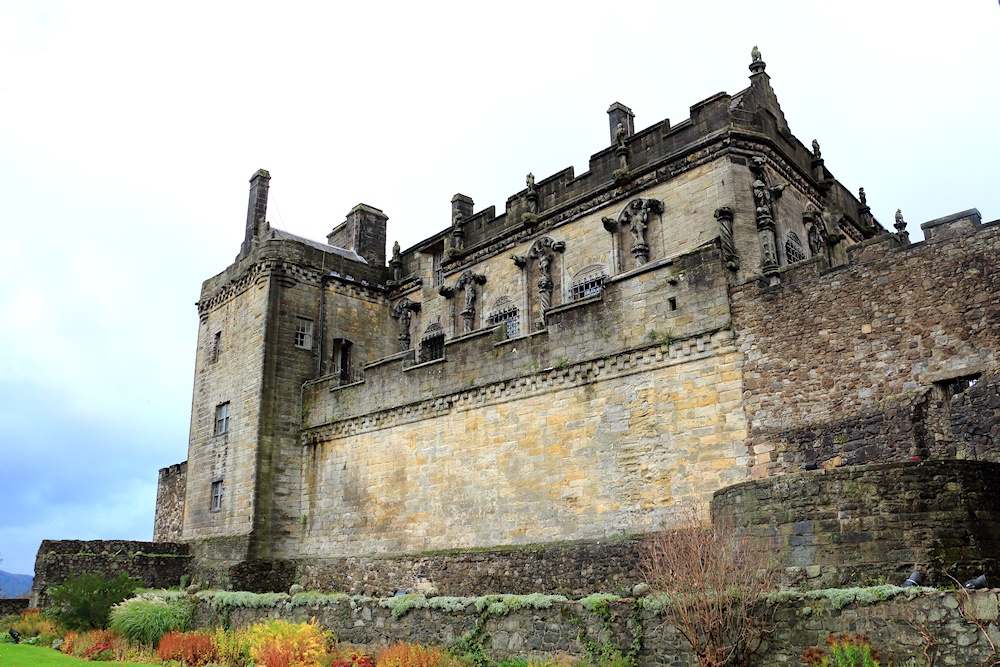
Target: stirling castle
x,y
706,312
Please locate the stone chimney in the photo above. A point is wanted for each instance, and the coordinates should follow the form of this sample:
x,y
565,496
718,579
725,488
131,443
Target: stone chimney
x,y
256,210
363,232
461,204
619,113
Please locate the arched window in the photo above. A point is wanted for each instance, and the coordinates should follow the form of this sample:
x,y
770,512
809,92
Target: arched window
x,y
794,252
432,343
505,312
588,282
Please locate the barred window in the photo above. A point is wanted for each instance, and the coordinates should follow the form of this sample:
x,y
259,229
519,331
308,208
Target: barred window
x,y
794,252
432,343
303,333
588,282
505,312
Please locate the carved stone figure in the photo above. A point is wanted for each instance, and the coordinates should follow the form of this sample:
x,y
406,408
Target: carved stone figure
x,y
755,54
456,220
816,152
532,196
620,135
395,252
862,197
545,280
470,295
762,197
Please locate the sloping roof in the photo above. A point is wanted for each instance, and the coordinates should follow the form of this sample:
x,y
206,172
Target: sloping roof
x,y
343,252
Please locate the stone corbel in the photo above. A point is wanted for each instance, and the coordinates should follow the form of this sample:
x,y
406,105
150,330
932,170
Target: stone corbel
x,y
446,291
519,260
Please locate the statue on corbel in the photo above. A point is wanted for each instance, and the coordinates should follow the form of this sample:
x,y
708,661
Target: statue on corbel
x,y
636,215
466,285
542,251
403,311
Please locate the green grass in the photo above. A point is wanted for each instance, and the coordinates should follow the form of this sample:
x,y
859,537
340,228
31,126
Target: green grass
x,y
21,655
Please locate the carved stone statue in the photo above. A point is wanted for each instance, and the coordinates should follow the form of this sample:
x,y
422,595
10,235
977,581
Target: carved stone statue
x,y
545,280
862,197
620,136
456,220
762,196
900,223
470,295
532,196
640,222
530,180
755,54
395,252
816,152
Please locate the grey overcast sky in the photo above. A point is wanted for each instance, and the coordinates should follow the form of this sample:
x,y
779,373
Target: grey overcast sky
x,y
129,130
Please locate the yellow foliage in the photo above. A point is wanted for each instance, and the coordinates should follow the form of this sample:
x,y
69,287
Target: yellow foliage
x,y
278,643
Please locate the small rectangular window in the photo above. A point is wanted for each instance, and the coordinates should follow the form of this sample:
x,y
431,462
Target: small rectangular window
x,y
217,495
342,360
672,303
303,333
216,346
222,418
437,268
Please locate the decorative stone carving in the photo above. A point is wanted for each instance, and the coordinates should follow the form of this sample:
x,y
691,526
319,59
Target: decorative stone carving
x,y
757,64
817,154
724,215
816,232
636,216
764,217
396,263
542,252
862,197
532,196
900,225
403,311
467,284
457,234
519,260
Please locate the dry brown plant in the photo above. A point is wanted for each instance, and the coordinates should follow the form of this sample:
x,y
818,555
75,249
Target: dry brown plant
x,y
712,580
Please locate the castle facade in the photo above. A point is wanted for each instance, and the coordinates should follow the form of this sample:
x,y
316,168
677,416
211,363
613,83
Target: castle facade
x,y
706,305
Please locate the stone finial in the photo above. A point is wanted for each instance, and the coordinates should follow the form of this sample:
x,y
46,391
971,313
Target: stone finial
x,y
817,155
757,65
900,223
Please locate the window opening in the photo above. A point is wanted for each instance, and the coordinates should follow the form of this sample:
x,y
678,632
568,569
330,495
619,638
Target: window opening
x,y
438,270
432,343
222,418
794,252
342,359
672,303
507,314
216,346
303,333
587,283
217,495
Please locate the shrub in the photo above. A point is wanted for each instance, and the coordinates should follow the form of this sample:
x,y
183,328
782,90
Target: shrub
x,y
232,648
191,648
414,655
31,623
712,582
148,617
84,601
351,656
278,643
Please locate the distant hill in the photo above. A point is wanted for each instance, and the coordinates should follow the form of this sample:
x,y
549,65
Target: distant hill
x,y
14,585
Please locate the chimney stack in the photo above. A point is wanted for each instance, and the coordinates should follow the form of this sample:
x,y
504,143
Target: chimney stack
x,y
363,232
256,210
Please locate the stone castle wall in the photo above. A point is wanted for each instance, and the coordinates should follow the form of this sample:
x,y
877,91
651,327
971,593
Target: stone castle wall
x,y
156,564
894,627
170,492
869,523
857,365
